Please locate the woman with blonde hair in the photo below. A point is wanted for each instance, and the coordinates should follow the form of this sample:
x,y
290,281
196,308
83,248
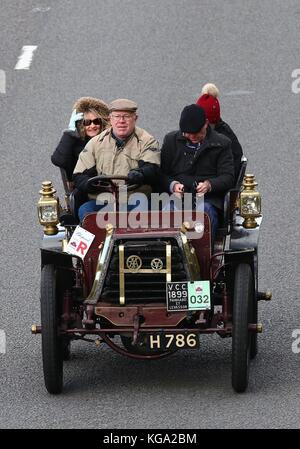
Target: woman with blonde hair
x,y
89,118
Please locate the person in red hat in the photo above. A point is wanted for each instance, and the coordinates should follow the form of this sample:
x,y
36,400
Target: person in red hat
x,y
210,103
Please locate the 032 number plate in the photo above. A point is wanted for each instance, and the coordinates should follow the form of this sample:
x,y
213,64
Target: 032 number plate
x,y
189,295
170,341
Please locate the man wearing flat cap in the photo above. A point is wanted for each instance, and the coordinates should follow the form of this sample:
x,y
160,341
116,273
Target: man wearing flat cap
x,y
121,150
197,158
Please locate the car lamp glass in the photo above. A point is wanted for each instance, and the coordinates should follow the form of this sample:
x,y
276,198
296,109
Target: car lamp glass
x,y
48,214
250,202
250,205
48,208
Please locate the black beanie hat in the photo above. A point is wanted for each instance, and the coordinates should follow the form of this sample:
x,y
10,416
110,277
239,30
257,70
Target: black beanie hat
x,y
192,119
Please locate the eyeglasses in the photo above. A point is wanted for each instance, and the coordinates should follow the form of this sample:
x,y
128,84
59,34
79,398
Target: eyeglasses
x,y
125,117
88,122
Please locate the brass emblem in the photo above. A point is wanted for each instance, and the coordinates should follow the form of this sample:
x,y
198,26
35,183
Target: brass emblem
x,y
156,264
133,263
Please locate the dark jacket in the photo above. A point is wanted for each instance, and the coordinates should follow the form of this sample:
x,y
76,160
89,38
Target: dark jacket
x,y
67,151
213,162
237,152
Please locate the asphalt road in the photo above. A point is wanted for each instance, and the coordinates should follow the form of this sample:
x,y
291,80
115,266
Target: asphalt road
x,y
158,53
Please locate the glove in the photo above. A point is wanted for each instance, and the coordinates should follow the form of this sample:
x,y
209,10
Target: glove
x,y
81,180
90,189
74,118
91,172
135,177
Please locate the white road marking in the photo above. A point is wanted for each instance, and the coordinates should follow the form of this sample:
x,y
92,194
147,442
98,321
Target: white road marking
x,y
2,342
26,57
2,82
43,9
240,92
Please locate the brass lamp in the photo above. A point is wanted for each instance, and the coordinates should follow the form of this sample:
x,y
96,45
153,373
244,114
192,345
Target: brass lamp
x,y
250,202
48,208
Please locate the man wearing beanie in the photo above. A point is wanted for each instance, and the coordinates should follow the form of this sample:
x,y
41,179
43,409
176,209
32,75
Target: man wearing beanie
x,y
198,156
210,103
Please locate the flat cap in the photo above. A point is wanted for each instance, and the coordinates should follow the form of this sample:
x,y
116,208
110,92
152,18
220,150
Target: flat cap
x,y
122,104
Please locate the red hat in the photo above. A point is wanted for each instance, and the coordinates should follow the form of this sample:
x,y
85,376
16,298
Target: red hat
x,y
211,106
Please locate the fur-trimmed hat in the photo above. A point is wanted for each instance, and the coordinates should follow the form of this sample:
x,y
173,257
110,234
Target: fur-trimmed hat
x,y
86,104
91,104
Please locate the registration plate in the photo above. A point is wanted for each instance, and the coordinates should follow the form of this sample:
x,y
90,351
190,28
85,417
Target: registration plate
x,y
189,295
171,341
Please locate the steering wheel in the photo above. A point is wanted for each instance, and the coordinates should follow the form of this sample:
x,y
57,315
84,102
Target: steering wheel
x,y
106,183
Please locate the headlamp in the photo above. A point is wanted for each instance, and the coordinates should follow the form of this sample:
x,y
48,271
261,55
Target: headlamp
x,y
48,208
250,202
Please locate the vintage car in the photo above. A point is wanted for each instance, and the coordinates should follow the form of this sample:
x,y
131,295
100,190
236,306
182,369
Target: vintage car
x,y
149,291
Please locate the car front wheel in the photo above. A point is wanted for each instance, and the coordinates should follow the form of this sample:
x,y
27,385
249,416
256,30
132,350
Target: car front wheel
x,y
52,344
242,316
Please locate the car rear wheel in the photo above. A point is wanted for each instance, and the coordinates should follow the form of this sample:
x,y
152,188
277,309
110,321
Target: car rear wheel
x,y
253,337
52,344
242,316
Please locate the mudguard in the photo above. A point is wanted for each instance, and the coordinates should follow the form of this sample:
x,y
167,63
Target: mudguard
x,y
51,250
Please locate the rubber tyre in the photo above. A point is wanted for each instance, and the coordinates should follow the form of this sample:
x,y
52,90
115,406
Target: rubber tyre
x,y
66,349
52,345
253,337
242,316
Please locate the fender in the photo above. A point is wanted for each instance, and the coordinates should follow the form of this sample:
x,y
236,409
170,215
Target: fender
x,y
51,250
242,238
242,247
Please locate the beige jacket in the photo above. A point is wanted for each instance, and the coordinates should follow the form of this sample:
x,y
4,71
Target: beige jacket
x,y
103,152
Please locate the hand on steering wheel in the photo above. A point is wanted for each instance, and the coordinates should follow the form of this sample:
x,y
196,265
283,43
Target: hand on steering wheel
x,y
105,183
135,177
